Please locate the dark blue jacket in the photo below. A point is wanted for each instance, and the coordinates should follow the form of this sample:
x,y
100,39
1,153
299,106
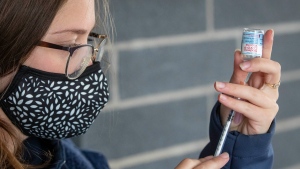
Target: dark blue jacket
x,y
65,155
246,151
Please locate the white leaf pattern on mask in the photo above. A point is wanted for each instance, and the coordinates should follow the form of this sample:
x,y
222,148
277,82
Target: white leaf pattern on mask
x,y
57,109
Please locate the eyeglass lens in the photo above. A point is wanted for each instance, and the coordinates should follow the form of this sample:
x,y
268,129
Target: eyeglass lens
x,y
81,58
79,61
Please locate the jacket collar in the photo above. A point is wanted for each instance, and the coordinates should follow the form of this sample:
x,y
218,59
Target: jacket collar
x,y
35,149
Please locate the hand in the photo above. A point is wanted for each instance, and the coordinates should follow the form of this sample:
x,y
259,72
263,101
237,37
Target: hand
x,y
209,162
257,107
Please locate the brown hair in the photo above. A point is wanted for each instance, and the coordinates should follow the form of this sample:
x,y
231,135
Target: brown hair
x,y
22,25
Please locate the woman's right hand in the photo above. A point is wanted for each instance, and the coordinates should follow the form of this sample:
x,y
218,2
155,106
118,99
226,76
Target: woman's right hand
x,y
209,162
257,105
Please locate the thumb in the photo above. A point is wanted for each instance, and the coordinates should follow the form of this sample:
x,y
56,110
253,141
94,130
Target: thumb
x,y
216,162
238,74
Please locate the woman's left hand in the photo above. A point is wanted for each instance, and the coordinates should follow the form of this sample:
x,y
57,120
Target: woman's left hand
x,y
209,162
257,106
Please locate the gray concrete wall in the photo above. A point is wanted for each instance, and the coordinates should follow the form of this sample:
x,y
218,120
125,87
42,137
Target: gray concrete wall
x,y
167,55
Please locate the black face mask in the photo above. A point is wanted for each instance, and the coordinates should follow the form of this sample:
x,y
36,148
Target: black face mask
x,y
49,105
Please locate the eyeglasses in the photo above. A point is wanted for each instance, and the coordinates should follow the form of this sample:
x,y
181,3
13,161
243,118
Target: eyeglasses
x,y
80,55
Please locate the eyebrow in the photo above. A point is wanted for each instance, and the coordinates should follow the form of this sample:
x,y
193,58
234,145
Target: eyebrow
x,y
74,31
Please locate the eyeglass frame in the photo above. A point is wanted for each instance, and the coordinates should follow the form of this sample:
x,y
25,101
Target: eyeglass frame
x,y
72,49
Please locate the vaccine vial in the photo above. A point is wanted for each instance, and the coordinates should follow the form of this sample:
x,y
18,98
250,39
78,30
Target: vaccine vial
x,y
252,43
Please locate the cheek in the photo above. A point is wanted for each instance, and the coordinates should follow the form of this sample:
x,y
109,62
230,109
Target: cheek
x,y
49,60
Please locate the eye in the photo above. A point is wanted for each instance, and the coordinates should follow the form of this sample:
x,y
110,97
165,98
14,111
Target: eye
x,y
73,45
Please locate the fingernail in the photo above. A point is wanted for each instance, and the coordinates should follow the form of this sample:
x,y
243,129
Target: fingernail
x,y
245,65
224,155
238,117
223,97
237,50
220,85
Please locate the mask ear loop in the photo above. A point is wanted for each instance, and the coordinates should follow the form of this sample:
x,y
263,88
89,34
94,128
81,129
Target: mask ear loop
x,y
6,89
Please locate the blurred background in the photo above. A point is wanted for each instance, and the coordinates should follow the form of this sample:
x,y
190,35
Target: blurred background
x,y
166,58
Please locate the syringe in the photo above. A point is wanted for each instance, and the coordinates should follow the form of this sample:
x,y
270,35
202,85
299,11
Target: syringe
x,y
252,43
224,133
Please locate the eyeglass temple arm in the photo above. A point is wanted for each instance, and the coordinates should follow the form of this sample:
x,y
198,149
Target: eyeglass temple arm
x,y
96,35
52,45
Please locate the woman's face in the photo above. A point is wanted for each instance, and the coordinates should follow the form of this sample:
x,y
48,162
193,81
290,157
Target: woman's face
x,y
71,25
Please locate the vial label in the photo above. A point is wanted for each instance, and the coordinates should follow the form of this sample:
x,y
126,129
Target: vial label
x,y
252,43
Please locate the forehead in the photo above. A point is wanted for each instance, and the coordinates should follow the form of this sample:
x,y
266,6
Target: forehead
x,y
74,14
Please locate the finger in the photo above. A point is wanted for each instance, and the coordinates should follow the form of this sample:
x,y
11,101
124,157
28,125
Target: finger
x,y
265,84
188,163
268,43
271,68
215,163
205,158
191,163
252,95
249,110
238,74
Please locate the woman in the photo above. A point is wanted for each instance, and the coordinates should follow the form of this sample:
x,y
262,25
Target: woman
x,y
53,87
